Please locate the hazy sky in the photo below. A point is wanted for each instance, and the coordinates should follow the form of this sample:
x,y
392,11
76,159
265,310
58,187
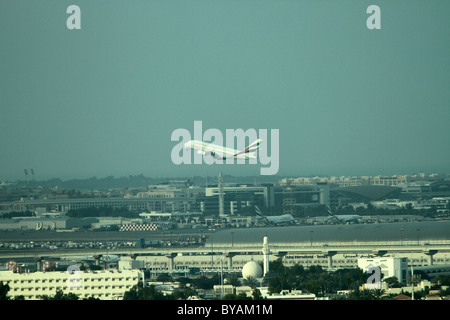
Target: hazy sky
x,y
105,99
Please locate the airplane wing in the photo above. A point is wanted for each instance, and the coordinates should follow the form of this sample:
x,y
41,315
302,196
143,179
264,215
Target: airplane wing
x,y
205,148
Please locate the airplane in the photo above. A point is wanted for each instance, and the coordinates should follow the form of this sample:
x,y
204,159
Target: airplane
x,y
343,218
103,258
284,219
221,152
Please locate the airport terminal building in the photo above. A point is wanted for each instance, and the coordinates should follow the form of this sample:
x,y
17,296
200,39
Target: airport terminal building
x,y
423,244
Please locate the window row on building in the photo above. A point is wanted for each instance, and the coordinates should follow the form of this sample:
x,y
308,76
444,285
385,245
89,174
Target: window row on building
x,y
100,284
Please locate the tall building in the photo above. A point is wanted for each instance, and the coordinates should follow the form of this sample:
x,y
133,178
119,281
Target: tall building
x,y
237,197
294,198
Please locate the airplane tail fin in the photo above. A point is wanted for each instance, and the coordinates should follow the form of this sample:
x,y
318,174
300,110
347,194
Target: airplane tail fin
x,y
259,213
331,214
251,149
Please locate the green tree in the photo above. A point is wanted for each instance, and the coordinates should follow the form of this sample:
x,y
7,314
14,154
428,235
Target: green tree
x,y
164,277
378,294
206,283
312,286
232,296
243,296
183,281
233,279
445,292
183,294
132,294
229,296
250,281
60,295
257,294
393,282
358,294
138,292
367,294
443,280
279,283
349,279
277,266
4,289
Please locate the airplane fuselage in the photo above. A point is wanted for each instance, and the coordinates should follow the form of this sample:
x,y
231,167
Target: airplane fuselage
x,y
217,151
281,220
346,218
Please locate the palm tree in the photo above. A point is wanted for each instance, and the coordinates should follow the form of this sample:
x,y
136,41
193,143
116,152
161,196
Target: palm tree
x,y
233,280
251,282
378,294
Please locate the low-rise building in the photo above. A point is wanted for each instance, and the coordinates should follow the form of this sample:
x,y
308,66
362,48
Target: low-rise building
x,y
221,290
35,223
388,266
287,295
104,285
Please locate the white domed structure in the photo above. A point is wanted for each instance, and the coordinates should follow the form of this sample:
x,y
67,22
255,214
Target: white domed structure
x,y
252,269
